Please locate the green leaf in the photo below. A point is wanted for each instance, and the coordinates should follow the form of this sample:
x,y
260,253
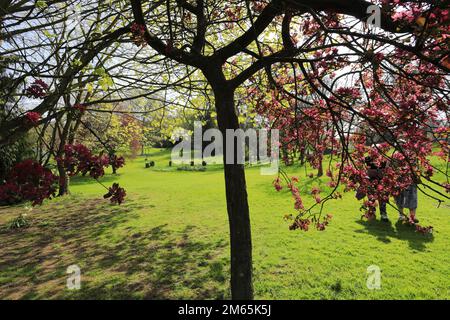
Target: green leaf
x,y
41,4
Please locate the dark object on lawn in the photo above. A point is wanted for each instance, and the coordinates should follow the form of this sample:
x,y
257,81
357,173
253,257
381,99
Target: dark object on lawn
x,y
192,163
147,165
204,163
152,163
170,163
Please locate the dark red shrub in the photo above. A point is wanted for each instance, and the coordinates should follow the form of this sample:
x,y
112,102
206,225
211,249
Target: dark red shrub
x,y
28,181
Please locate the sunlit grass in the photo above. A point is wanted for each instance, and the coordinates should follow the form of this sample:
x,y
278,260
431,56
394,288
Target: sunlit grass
x,y
170,240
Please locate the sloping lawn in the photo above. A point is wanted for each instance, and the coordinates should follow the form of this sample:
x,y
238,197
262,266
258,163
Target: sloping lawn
x,y
170,241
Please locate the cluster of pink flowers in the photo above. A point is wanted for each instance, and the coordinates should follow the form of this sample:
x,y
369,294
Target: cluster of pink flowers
x,y
415,13
321,226
316,194
430,22
424,230
37,90
420,229
30,181
349,92
302,224
277,184
296,195
79,159
233,14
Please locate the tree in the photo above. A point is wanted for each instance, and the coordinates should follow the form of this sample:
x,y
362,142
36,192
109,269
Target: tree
x,y
326,24
51,46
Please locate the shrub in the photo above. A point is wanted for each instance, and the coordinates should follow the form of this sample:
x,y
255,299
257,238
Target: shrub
x,y
18,223
13,153
28,181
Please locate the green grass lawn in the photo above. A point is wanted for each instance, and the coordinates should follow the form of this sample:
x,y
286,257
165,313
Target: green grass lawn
x,y
170,241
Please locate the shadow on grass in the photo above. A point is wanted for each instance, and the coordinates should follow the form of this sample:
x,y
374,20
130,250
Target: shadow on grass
x,y
385,231
153,263
86,180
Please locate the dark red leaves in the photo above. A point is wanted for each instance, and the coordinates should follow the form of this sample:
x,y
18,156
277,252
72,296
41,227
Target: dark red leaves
x,y
78,159
116,194
28,181
80,107
116,162
138,34
33,118
37,90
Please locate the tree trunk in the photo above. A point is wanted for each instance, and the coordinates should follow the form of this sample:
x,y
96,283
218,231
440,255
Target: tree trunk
x,y
63,181
320,170
237,204
302,156
112,159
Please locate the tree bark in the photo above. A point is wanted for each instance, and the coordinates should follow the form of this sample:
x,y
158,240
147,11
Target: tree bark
x,y
302,156
63,176
63,181
320,169
237,203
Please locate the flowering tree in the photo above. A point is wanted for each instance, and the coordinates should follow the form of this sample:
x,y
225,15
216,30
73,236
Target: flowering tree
x,y
352,74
